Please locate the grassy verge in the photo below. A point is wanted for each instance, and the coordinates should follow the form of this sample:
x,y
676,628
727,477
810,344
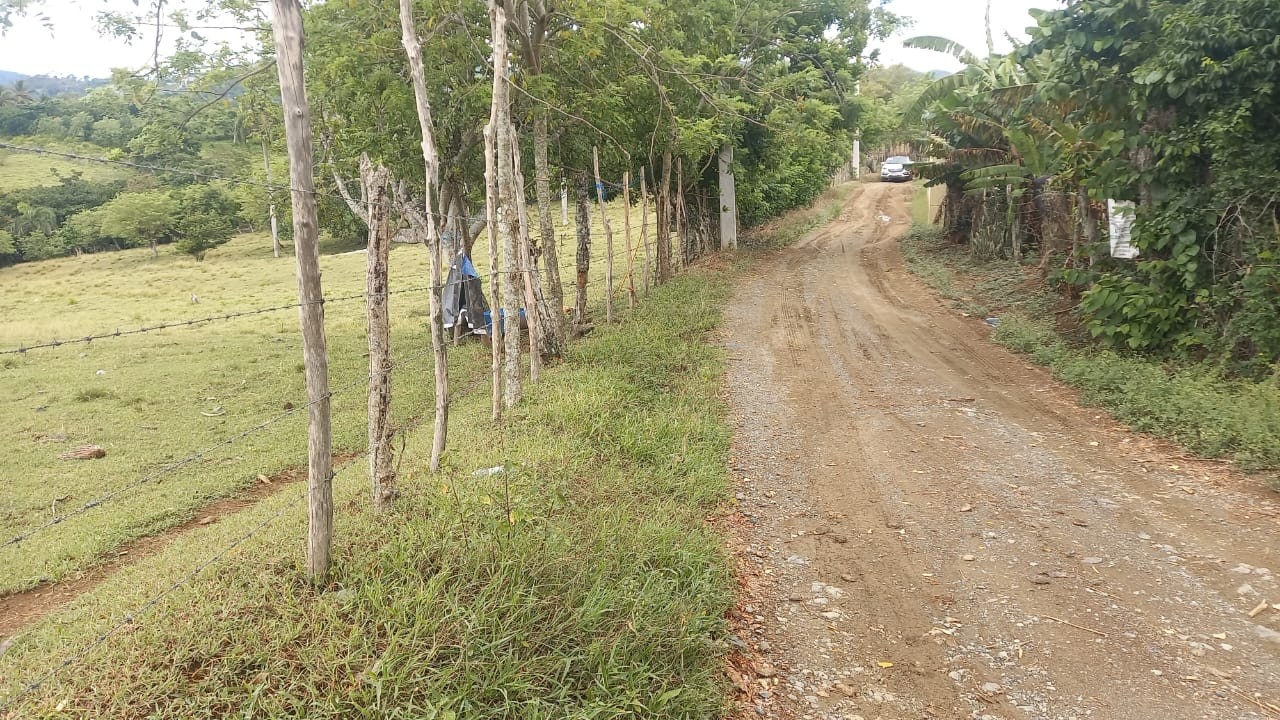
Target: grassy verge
x,y
1189,403
581,582
786,229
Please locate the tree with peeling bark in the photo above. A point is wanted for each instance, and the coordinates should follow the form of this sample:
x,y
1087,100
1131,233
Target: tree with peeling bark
x,y
413,50
375,182
505,207
583,196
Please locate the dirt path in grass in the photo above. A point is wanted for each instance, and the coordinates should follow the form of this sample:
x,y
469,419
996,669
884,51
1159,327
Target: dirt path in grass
x,y
19,610
929,527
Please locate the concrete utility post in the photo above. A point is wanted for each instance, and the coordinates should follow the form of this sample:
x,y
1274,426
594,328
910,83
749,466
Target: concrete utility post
x,y
857,141
728,200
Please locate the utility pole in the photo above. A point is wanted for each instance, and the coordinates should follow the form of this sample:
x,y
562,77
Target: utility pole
x,y
857,140
287,28
728,200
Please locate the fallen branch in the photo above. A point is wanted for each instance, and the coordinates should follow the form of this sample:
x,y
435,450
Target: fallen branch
x,y
1078,627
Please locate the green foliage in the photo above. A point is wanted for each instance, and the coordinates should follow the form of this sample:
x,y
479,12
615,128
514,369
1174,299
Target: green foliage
x,y
1170,103
200,231
140,218
1130,314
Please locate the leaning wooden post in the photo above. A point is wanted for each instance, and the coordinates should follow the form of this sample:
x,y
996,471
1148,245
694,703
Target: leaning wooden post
x,y
381,474
608,240
287,29
413,51
644,228
626,229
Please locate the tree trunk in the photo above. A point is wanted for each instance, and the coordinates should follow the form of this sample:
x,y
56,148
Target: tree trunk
x,y
626,231
729,197
644,229
271,202
413,51
495,284
547,230
584,252
500,117
1088,223
381,474
682,218
155,250
663,239
608,239
287,29
528,278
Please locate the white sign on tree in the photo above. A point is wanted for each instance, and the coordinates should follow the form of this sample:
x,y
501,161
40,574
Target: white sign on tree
x,y
1120,222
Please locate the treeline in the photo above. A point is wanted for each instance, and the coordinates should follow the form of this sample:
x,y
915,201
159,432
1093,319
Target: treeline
x,y
1168,104
659,88
185,121
79,216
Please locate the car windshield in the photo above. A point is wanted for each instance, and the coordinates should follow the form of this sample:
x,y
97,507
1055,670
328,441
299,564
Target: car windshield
x,y
899,160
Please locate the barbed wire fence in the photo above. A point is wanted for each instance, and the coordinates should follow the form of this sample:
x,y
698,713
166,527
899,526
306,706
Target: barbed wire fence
x,y
130,619
175,324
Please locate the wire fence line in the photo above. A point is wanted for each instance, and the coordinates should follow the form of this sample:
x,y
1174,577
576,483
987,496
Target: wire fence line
x,y
194,321
8,704
196,456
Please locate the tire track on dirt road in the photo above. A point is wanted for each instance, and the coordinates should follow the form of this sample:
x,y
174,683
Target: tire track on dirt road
x,y
934,529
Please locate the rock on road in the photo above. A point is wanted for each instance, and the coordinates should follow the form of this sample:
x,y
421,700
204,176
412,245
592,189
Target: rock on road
x,y
929,527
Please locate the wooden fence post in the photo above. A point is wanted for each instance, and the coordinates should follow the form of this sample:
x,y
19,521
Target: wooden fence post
x,y
626,229
644,228
608,239
381,475
287,31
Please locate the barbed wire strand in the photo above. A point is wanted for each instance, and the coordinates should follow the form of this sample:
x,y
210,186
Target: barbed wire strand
x,y
195,321
130,618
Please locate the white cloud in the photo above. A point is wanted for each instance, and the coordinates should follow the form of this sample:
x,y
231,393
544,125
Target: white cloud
x,y
961,20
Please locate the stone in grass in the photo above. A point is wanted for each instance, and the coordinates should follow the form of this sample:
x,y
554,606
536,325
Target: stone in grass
x,y
87,452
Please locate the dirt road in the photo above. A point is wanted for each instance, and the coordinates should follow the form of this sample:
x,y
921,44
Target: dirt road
x,y
931,528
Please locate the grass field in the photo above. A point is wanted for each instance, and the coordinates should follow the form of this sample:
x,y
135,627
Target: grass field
x,y
582,582
1191,403
22,170
154,399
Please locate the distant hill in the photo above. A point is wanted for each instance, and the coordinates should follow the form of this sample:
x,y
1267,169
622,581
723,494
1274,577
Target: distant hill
x,y
50,84
936,74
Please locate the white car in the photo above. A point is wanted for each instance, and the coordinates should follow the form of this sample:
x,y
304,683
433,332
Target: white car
x,y
896,169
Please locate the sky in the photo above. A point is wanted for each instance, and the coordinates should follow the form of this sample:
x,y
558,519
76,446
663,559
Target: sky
x,y
960,20
73,46
76,48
